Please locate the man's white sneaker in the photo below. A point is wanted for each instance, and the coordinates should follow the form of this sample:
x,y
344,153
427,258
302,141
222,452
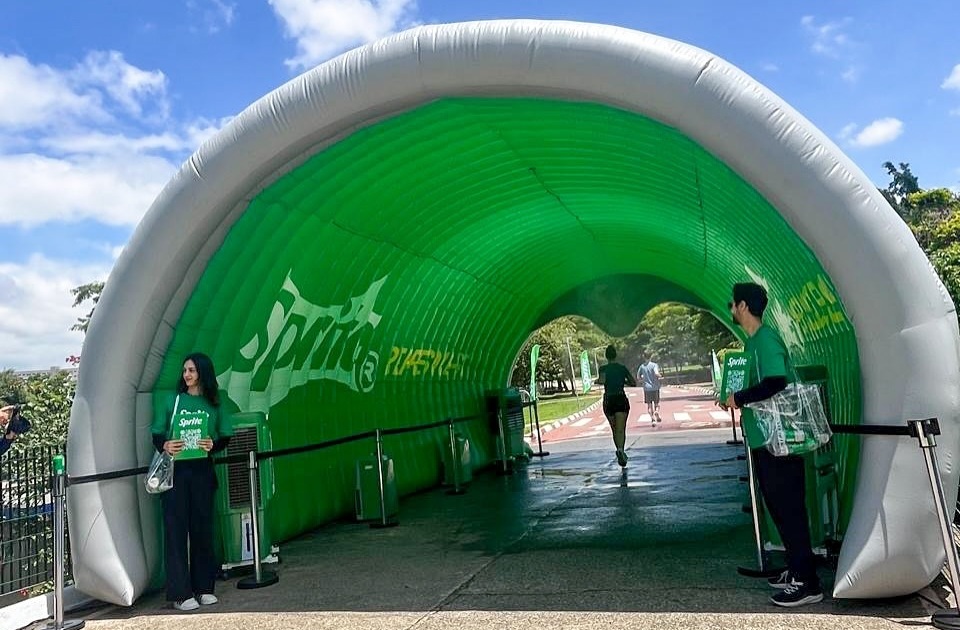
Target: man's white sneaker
x,y
186,605
208,599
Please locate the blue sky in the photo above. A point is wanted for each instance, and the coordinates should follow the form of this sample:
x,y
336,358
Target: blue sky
x,y
100,101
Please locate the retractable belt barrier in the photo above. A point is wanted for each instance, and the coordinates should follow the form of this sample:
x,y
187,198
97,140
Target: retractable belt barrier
x,y
925,431
260,577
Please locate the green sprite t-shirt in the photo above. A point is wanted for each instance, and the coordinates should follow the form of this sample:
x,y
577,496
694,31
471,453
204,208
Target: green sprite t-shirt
x,y
192,411
770,358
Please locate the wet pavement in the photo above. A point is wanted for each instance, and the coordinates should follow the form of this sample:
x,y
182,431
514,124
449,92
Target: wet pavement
x,y
571,541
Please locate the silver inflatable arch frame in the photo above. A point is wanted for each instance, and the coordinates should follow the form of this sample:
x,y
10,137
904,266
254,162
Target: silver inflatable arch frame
x,y
905,321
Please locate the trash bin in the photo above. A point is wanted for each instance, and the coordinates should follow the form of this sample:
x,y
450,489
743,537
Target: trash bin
x,y
458,460
368,489
506,406
251,431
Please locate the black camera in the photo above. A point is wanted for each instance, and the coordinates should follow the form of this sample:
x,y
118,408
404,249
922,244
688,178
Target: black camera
x,y
17,423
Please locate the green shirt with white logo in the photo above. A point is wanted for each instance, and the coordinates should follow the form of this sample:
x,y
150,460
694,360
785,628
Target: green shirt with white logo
x,y
770,358
194,411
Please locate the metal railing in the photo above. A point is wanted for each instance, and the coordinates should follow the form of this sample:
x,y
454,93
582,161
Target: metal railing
x,y
26,521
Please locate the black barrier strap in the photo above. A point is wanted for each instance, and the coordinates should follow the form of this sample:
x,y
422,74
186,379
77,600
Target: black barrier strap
x,y
113,474
930,426
293,450
869,429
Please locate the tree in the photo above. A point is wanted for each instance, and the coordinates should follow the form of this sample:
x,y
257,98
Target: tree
x,y
47,398
90,291
553,365
934,218
902,184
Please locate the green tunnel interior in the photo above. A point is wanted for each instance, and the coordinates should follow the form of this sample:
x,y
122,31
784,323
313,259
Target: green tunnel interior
x,y
391,278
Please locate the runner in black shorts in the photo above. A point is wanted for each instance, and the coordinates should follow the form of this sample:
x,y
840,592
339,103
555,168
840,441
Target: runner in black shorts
x,y
613,376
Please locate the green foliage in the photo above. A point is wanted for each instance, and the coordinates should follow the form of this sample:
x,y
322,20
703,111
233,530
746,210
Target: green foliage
x,y
47,399
902,183
12,387
673,334
554,365
934,218
90,291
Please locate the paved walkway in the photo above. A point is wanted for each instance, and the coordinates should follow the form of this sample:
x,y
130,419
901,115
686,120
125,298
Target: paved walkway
x,y
680,409
567,542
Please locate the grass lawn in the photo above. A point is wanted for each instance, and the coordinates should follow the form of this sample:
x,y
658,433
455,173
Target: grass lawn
x,y
550,410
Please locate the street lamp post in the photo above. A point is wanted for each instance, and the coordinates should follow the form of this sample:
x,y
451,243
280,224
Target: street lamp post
x,y
573,375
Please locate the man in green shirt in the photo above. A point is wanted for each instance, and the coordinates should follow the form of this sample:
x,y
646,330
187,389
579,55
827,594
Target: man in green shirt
x,y
782,479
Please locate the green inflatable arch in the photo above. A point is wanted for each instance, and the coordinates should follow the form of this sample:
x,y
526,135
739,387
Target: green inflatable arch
x,y
370,245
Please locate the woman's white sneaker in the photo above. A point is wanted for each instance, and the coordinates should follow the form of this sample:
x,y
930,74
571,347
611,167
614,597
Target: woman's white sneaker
x,y
208,599
186,605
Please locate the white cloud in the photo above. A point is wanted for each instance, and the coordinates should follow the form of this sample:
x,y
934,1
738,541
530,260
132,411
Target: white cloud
x,y
36,311
115,190
323,28
67,152
770,67
952,82
851,74
34,96
828,37
126,84
878,132
214,15
847,131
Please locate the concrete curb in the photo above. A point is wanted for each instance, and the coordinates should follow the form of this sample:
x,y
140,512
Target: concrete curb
x,y
695,388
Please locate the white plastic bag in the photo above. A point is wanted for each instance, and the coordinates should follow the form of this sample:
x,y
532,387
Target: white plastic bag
x,y
160,475
793,421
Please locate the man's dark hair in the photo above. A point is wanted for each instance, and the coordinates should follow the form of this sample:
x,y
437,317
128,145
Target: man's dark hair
x,y
753,294
611,353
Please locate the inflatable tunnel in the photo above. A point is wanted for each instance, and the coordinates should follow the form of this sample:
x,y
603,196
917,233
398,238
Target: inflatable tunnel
x,y
370,245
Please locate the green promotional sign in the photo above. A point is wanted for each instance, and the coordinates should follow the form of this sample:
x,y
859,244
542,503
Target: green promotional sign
x,y
585,378
191,427
736,369
534,356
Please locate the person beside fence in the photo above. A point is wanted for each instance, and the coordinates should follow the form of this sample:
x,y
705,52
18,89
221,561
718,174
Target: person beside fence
x,y
781,479
613,376
12,425
188,506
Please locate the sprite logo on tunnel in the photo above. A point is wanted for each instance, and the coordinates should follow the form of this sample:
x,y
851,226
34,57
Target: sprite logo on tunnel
x,y
301,342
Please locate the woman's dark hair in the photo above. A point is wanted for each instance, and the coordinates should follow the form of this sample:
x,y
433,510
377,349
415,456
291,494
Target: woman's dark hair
x,y
611,353
208,378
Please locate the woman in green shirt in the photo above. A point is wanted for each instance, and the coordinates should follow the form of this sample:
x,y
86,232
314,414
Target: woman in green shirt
x,y
191,428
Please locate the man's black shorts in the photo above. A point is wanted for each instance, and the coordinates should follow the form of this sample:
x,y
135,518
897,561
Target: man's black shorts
x,y
615,403
651,397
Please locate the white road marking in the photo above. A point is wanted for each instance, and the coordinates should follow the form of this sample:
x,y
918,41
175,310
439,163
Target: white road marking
x,y
581,422
680,416
720,415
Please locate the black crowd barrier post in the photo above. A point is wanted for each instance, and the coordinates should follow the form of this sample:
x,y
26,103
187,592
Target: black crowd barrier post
x,y
536,418
260,577
926,431
454,461
384,521
59,556
733,423
504,466
762,570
